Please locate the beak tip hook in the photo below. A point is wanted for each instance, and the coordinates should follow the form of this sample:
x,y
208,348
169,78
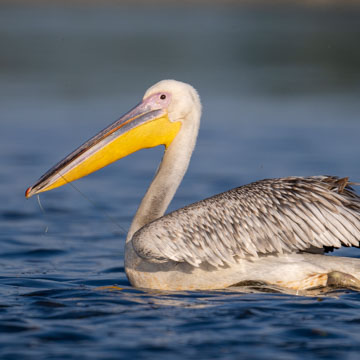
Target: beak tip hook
x,y
27,192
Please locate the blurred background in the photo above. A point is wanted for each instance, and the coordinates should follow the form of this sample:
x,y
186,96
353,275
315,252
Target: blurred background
x,y
280,85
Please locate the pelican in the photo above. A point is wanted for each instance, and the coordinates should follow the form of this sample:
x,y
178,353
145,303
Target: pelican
x,y
274,230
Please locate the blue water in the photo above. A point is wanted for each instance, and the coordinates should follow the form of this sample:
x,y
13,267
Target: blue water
x,y
280,90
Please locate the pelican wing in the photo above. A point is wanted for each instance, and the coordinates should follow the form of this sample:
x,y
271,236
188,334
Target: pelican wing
x,y
272,216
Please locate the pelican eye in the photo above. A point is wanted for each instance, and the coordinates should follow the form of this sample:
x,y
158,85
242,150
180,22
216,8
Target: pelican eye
x,y
163,97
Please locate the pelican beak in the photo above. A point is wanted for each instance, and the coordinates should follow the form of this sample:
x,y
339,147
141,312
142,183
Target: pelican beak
x,y
145,126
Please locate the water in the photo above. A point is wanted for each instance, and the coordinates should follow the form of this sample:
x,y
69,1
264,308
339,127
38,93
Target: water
x,y
280,89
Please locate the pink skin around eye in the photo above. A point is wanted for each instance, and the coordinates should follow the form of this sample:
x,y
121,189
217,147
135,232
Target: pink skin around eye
x,y
155,102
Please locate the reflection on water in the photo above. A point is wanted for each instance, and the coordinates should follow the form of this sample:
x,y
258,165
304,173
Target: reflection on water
x,y
280,90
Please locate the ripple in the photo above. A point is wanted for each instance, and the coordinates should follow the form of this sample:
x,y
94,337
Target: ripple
x,y
48,304
80,314
117,269
8,327
63,336
35,253
16,215
53,293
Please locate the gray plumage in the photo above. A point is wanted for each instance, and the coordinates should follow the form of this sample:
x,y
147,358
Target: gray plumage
x,y
272,216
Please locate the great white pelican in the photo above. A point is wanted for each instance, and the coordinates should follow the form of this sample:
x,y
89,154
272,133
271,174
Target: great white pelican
x,y
274,231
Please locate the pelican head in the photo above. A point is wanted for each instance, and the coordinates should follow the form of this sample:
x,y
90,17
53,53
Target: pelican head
x,y
156,120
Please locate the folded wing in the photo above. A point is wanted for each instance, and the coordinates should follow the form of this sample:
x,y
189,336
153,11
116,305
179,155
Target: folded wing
x,y
272,216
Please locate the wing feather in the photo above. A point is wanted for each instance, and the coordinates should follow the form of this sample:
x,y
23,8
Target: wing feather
x,y
271,216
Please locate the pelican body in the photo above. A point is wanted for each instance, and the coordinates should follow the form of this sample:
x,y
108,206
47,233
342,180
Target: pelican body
x,y
274,231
